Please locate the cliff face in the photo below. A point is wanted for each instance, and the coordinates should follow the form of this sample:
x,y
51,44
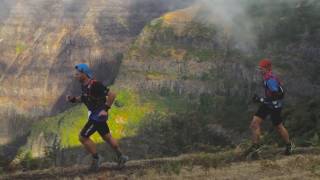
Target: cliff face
x,y
40,41
181,53
186,53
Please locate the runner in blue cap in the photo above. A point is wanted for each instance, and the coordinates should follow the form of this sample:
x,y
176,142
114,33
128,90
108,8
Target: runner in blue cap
x,y
84,68
98,100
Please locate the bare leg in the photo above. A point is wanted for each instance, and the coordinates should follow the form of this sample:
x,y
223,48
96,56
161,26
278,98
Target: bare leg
x,y
113,143
255,129
283,133
88,144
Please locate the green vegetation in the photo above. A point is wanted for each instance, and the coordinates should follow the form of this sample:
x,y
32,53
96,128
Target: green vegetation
x,y
161,40
202,54
61,131
315,169
31,163
178,133
20,47
303,121
168,101
315,140
285,22
66,126
128,113
155,24
170,168
168,118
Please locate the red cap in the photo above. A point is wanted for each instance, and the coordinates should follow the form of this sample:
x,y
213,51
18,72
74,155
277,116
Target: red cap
x,y
265,63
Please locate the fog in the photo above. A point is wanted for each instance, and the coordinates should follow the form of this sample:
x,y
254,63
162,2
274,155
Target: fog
x,y
235,20
231,16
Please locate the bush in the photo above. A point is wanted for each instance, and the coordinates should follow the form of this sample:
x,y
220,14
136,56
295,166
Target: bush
x,y
179,133
30,163
303,121
207,103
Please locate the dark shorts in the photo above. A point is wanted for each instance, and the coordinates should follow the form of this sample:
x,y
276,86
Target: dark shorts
x,y
275,114
94,116
93,126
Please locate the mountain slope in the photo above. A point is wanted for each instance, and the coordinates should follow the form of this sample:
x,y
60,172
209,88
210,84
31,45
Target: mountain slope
x,y
192,80
41,41
194,83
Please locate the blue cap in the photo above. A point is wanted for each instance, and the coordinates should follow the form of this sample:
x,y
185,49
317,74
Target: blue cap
x,y
84,69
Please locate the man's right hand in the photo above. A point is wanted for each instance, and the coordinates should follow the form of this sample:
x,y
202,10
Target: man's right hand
x,y
71,99
257,99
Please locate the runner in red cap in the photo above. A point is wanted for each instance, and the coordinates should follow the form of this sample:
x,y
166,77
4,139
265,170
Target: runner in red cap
x,y
270,105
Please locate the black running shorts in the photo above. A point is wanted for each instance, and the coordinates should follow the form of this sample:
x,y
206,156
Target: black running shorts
x,y
93,126
275,114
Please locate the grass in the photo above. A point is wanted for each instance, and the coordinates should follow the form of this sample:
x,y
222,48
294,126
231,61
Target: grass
x,y
124,117
160,38
155,24
198,166
68,124
20,47
124,120
167,101
203,55
159,76
177,52
65,125
170,168
61,131
315,169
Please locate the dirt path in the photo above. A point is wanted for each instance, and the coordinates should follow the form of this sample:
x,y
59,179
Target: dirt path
x,y
304,164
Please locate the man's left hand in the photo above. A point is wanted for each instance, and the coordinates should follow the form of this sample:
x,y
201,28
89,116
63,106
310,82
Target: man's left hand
x,y
103,113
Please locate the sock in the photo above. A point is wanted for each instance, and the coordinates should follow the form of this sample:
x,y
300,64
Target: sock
x,y
95,156
118,153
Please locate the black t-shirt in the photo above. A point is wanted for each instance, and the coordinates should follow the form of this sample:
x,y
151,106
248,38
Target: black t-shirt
x,y
94,95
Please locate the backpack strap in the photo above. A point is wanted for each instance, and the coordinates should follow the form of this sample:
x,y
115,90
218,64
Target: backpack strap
x,y
280,93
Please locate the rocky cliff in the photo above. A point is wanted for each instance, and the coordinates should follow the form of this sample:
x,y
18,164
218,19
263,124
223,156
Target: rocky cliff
x,y
40,41
186,53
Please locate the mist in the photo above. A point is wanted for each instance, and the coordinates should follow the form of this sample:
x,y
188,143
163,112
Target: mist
x,y
232,17
5,7
235,20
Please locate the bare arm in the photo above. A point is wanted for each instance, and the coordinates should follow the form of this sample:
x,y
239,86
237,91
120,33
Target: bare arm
x,y
110,99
